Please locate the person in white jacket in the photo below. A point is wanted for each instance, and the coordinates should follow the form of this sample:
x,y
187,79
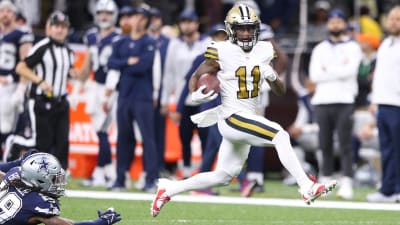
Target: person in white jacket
x,y
333,68
386,100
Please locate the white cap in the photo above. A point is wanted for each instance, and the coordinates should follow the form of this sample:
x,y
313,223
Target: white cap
x,y
8,4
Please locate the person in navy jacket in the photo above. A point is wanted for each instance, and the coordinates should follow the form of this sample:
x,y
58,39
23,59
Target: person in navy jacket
x,y
133,56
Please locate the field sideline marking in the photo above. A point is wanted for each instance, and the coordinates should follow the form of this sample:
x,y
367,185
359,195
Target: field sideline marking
x,y
236,200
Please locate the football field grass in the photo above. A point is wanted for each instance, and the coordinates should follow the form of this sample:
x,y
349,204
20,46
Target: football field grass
x,y
184,210
137,213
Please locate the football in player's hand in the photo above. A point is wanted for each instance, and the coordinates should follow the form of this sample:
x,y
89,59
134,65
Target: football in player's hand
x,y
210,81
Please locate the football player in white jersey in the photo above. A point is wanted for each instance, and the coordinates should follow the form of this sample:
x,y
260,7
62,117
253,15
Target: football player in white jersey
x,y
242,65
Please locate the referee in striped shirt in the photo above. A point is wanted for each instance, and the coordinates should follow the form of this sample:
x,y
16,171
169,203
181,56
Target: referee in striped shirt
x,y
48,65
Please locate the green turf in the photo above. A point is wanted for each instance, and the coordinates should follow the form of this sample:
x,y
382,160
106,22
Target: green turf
x,y
137,213
273,189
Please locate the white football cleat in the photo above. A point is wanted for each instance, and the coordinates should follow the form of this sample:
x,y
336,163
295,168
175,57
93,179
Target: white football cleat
x,y
161,198
318,189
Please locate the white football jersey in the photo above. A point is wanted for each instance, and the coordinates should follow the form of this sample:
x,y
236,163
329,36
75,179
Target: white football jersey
x,y
241,75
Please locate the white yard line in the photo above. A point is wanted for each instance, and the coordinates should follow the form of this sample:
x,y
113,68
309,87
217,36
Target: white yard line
x,y
237,200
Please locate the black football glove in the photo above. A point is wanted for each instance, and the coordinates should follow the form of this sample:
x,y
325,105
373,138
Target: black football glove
x,y
110,216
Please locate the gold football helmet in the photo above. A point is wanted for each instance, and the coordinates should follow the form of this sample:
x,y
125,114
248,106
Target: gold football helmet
x,y
243,17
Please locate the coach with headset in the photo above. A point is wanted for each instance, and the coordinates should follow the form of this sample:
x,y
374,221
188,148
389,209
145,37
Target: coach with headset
x,y
48,65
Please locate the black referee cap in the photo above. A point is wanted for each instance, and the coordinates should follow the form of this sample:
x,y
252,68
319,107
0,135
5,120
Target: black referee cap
x,y
58,17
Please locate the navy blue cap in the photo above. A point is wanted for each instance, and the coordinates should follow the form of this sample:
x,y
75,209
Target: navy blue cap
x,y
188,15
155,12
141,10
126,11
336,13
216,28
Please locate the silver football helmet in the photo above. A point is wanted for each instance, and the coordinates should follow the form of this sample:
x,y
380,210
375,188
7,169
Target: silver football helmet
x,y
43,172
106,6
241,16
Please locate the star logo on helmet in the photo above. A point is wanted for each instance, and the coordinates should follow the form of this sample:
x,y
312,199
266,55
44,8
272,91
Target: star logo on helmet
x,y
43,165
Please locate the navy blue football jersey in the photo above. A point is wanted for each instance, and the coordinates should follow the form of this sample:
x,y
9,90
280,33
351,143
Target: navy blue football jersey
x,y
9,50
100,50
17,206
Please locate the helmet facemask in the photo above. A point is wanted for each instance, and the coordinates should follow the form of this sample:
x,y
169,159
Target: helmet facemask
x,y
246,42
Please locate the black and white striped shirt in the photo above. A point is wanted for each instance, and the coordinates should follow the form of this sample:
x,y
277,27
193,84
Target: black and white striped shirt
x,y
51,61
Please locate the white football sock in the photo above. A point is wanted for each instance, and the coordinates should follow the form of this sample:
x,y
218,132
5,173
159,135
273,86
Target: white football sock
x,y
198,182
288,158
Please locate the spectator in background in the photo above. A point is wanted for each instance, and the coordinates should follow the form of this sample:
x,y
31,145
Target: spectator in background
x,y
112,78
333,69
22,23
368,25
154,31
98,41
316,28
133,56
386,106
14,46
279,14
123,19
180,55
369,43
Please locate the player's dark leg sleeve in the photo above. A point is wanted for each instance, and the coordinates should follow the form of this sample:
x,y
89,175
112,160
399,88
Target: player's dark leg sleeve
x,y
210,151
104,156
186,127
255,161
126,141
